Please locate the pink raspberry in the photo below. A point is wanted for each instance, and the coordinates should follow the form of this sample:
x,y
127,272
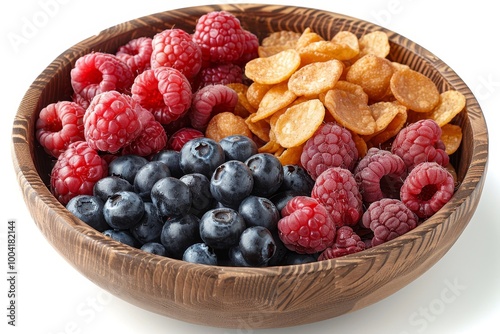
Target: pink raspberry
x,y
388,219
76,171
175,48
338,191
164,91
84,103
346,242
379,174
251,49
58,125
427,188
99,72
112,121
137,54
182,136
419,142
305,226
330,146
220,74
211,100
220,37
151,140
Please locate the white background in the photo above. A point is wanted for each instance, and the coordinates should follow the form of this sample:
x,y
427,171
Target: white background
x,y
54,298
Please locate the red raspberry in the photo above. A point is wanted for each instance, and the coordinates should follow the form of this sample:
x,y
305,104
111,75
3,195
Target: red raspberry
x,y
330,146
137,54
220,74
99,72
388,219
251,49
112,121
58,125
427,188
305,226
346,242
76,171
220,37
211,100
338,191
182,136
164,91
419,142
80,100
175,48
151,140
379,174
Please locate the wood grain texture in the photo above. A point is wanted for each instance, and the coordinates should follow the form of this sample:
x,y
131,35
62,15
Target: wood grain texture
x,y
250,297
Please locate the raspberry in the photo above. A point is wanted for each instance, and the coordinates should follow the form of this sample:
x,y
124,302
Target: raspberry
x,y
330,146
137,54
388,219
99,72
182,136
58,125
175,48
164,91
379,174
151,140
346,242
427,188
305,226
419,142
251,49
220,37
80,100
76,171
220,74
338,191
211,100
112,121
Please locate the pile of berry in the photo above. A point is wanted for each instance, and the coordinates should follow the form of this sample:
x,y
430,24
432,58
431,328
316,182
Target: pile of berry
x,y
133,161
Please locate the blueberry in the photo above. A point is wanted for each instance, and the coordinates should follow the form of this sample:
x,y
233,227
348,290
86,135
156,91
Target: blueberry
x,y
202,199
280,199
154,248
200,253
123,210
201,155
148,229
267,173
171,196
259,211
296,179
231,183
257,245
122,236
88,208
126,166
147,176
281,251
236,258
170,158
238,147
109,185
179,233
221,228
295,258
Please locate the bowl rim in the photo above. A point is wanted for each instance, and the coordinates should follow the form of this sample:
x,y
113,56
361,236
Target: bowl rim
x,y
38,195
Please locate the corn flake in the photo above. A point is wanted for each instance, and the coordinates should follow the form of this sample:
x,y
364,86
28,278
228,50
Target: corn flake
x,y
299,122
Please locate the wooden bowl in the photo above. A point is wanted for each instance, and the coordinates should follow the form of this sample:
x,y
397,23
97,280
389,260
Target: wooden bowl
x,y
258,297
